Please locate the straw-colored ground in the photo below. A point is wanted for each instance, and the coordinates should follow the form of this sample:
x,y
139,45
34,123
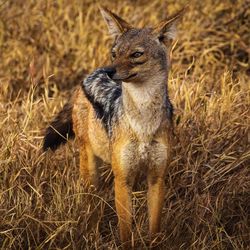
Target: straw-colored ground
x,y
47,47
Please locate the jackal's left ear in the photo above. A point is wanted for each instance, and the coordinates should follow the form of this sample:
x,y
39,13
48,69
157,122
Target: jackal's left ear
x,y
116,25
166,30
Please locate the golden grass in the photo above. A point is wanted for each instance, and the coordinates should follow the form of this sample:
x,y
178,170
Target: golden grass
x,y
47,47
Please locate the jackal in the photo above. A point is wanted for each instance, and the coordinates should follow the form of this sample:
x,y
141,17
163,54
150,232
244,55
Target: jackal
x,y
122,114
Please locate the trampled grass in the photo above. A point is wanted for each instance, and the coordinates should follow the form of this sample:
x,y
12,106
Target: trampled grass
x,y
46,48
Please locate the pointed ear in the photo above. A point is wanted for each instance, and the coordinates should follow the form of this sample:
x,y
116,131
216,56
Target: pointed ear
x,y
116,25
166,30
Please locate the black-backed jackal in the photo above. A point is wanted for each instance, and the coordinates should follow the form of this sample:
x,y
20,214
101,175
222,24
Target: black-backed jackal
x,y
122,114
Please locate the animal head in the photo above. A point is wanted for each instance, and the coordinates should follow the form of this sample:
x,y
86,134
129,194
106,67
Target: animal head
x,y
138,53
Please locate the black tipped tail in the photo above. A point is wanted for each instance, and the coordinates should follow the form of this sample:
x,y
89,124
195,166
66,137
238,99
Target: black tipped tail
x,y
60,129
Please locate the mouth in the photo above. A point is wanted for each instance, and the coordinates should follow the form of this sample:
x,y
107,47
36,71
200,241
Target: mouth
x,y
123,79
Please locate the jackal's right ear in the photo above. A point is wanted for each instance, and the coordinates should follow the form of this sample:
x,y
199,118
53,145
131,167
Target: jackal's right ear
x,y
166,30
116,25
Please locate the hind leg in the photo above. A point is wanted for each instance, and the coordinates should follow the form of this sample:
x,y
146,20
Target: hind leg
x,y
88,166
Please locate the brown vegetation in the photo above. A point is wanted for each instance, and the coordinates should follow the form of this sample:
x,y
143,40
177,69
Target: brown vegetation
x,y
47,47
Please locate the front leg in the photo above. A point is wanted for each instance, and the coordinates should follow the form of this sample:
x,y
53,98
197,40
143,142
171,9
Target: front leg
x,y
123,205
124,166
160,158
156,193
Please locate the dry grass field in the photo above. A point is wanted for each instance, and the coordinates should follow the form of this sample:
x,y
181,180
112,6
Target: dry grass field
x,y
48,47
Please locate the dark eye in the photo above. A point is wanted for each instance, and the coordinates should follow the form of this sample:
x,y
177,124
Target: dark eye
x,y
113,54
137,54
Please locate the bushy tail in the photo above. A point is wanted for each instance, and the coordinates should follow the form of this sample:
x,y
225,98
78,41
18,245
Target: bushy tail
x,y
60,129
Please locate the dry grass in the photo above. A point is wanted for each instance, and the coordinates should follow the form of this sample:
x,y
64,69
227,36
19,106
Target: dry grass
x,y
47,47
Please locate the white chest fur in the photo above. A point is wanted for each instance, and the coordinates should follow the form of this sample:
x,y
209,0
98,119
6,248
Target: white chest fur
x,y
144,109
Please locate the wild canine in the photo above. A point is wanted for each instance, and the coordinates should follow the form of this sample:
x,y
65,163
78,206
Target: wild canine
x,y
122,115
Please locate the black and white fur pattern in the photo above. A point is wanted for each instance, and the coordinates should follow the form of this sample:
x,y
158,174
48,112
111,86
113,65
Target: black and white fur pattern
x,y
106,97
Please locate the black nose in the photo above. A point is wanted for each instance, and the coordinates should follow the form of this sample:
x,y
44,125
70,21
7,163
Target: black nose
x,y
110,71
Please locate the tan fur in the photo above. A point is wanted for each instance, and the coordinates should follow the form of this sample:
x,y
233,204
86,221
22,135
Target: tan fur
x,y
131,152
141,140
